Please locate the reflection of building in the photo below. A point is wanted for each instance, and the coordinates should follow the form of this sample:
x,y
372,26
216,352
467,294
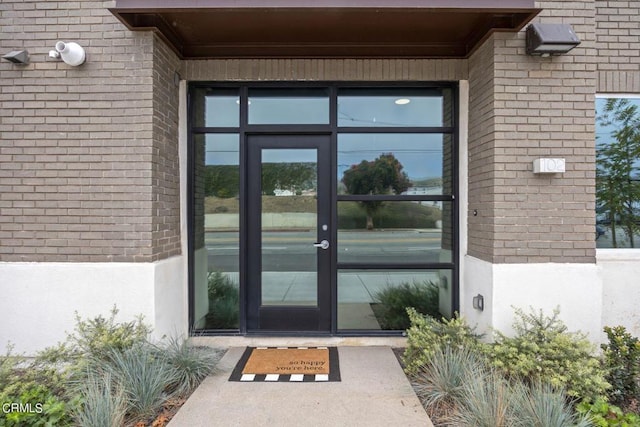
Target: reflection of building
x,y
102,166
425,191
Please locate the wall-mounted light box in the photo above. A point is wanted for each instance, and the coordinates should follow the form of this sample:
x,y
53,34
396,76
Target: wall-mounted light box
x,y
550,39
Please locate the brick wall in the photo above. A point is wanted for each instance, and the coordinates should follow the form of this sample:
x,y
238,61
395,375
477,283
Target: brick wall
x,y
530,107
618,38
81,147
166,164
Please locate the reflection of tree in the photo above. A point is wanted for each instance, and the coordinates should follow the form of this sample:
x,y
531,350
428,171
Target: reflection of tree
x,y
617,192
295,177
384,175
221,181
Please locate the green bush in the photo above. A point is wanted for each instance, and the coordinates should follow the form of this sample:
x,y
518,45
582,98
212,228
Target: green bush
x,y
603,414
80,381
543,351
41,407
99,337
224,302
391,311
38,387
622,360
426,335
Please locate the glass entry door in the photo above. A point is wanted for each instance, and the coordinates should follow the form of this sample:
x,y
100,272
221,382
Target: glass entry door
x,y
289,233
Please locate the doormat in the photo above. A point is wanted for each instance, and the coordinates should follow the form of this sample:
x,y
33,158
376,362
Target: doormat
x,y
288,364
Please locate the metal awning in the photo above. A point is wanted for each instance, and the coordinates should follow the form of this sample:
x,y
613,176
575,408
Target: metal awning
x,y
198,29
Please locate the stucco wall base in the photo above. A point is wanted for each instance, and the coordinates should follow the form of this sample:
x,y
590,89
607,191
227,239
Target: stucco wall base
x,y
39,299
620,270
576,289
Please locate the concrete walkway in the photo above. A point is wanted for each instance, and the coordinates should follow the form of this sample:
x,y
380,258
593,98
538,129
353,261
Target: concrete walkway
x,y
373,392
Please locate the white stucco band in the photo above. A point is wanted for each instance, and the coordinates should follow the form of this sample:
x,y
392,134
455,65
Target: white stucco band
x,y
590,296
39,299
576,289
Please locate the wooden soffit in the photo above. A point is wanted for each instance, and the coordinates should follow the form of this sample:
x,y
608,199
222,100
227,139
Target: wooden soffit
x,y
199,29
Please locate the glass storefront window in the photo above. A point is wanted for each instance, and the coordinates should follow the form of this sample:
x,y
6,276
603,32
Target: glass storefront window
x,y
216,107
288,106
422,158
366,107
217,228
402,232
617,172
376,300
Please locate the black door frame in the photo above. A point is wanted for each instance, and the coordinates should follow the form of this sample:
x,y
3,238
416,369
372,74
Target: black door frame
x,y
280,318
244,129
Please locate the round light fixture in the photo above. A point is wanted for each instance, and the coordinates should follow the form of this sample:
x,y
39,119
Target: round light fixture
x,y
402,101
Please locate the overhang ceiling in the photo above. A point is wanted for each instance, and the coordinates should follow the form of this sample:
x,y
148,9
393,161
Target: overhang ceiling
x,y
199,29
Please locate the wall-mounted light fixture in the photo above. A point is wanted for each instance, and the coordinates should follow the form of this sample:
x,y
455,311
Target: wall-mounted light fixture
x,y
71,53
478,302
20,57
550,39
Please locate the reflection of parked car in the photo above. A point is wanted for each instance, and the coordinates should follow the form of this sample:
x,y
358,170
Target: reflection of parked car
x,y
599,231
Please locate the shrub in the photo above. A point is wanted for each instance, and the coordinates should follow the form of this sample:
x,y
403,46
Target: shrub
x,y
542,350
543,406
104,403
391,311
439,384
29,382
143,374
224,302
622,360
190,365
485,402
100,337
426,335
603,414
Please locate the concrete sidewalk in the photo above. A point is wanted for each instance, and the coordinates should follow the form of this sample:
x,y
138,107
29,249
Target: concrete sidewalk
x,y
373,392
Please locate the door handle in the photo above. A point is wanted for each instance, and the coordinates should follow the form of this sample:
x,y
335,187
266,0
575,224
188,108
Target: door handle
x,y
322,245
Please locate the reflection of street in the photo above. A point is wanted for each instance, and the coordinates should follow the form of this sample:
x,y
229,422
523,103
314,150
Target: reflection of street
x,y
605,241
294,251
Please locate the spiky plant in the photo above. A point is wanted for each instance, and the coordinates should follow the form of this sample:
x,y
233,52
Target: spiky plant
x,y
484,402
439,384
191,365
104,403
540,405
143,374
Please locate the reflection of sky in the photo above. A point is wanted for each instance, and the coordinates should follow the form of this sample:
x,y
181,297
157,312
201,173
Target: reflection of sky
x,y
420,154
222,111
354,111
289,155
222,149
